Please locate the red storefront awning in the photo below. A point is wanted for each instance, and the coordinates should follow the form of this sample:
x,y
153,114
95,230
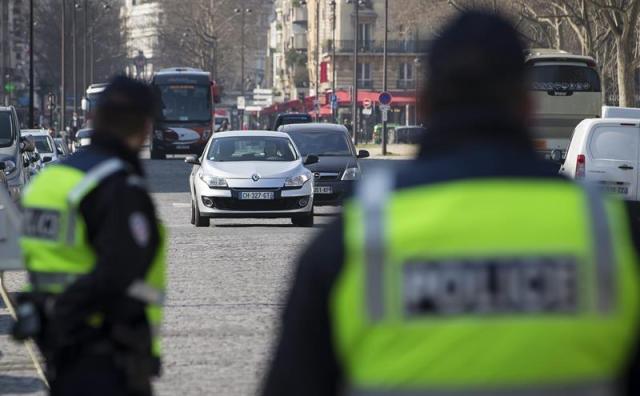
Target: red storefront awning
x,y
399,98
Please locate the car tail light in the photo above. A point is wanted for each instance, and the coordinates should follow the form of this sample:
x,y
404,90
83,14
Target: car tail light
x,y
581,163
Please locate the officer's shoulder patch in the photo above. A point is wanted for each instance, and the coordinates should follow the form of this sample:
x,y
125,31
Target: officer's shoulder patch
x,y
140,228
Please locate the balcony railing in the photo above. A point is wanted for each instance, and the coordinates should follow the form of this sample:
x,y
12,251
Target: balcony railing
x,y
377,46
406,84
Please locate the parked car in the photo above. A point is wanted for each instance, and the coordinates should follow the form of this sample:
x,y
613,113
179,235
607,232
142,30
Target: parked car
x,y
251,174
44,143
61,147
391,133
337,168
82,139
411,134
606,152
291,118
12,149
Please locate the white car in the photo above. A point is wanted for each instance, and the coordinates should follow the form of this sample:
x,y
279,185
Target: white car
x,y
605,152
251,174
45,145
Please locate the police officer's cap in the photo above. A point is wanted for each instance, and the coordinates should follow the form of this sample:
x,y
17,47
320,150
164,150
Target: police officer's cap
x,y
477,59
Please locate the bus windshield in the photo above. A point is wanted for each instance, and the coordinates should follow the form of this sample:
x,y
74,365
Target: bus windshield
x,y
185,102
573,78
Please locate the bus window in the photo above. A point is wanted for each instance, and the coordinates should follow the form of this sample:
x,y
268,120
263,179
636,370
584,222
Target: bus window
x,y
558,77
186,102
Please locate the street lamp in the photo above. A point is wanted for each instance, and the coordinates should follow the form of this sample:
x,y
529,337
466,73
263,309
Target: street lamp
x,y
243,13
63,104
334,17
317,71
31,82
354,95
417,62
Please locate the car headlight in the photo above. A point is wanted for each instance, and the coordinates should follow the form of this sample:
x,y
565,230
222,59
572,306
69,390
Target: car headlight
x,y
296,181
351,174
214,181
9,167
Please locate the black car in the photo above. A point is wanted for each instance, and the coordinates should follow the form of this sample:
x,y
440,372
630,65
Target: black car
x,y
337,168
291,118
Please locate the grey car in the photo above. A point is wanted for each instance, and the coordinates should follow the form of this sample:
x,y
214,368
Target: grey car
x,y
251,174
13,151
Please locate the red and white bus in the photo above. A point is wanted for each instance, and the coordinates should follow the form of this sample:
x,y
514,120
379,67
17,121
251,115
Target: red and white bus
x,y
185,121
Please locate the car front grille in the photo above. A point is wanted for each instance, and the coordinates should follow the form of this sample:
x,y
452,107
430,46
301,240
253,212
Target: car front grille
x,y
326,176
257,205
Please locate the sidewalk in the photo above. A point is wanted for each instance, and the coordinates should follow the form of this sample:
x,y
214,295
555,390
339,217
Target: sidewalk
x,y
394,151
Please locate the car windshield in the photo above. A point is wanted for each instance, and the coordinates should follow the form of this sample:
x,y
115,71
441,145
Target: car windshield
x,y
186,102
564,78
6,133
43,145
322,143
251,148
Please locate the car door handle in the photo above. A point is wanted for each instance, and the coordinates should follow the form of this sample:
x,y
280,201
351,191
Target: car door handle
x,y
625,167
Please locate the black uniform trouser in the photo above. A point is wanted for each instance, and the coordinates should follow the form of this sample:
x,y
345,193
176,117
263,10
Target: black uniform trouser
x,y
93,375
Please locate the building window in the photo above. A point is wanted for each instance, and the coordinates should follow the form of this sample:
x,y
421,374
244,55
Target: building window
x,y
405,71
364,75
405,76
365,32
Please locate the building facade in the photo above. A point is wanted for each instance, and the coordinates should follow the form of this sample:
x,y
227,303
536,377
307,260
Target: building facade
x,y
142,20
14,50
288,50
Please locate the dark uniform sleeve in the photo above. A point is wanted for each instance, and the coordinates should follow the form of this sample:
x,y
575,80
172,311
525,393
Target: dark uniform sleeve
x,y
121,227
304,361
632,376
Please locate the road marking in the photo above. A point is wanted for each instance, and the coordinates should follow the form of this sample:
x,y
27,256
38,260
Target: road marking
x,y
181,205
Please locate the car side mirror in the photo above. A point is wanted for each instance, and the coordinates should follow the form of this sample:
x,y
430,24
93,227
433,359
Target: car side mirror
x,y
363,154
47,159
556,156
311,159
192,159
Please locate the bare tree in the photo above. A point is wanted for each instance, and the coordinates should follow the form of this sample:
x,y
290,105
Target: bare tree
x,y
206,34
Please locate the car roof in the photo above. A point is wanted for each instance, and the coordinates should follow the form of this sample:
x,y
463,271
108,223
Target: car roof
x,y
313,127
34,132
250,133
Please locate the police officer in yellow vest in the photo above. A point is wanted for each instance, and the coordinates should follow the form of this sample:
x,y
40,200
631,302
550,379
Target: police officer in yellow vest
x,y
95,256
476,270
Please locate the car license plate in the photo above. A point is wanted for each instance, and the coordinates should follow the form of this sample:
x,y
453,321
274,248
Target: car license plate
x,y
323,190
183,147
250,195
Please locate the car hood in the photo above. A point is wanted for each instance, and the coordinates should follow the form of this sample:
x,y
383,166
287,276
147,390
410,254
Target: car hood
x,y
246,169
333,164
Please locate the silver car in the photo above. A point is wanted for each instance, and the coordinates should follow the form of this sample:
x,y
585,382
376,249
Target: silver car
x,y
251,174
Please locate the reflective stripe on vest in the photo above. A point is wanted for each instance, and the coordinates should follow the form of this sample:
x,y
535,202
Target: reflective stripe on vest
x,y
138,290
600,389
141,291
373,194
91,179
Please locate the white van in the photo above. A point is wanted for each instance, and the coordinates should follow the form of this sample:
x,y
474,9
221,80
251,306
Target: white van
x,y
606,151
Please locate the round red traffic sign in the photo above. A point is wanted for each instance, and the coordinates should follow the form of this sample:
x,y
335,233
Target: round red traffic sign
x,y
366,103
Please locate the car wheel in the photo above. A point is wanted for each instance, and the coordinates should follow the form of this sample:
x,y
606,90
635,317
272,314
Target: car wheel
x,y
305,220
198,219
193,212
